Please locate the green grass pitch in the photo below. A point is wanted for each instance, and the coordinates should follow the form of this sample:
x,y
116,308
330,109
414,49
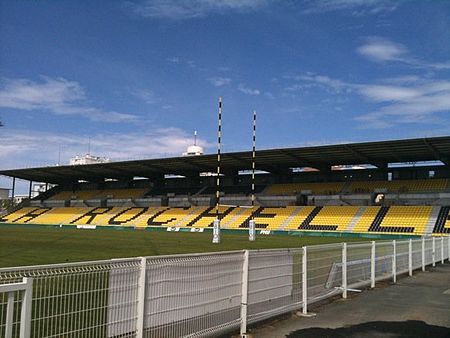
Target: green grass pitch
x,y
45,245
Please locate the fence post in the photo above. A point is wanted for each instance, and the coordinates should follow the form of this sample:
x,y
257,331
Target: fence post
x,y
410,269
244,299
442,250
372,265
344,270
141,299
448,247
25,317
394,262
304,282
423,254
433,252
9,315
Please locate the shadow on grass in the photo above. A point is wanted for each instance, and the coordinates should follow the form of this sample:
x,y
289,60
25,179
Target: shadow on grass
x,y
406,329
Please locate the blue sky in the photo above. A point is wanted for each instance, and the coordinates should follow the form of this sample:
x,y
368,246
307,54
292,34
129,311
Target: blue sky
x,y
138,77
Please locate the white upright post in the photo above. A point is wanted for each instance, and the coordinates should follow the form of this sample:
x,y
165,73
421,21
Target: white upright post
x,y
344,270
251,230
25,316
423,254
394,262
216,223
141,299
304,281
216,231
9,315
442,250
448,247
372,265
244,299
252,226
433,253
410,257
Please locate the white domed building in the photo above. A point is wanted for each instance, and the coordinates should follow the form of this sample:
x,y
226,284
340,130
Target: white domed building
x,y
194,150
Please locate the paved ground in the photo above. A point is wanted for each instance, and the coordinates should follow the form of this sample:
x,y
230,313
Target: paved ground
x,y
417,306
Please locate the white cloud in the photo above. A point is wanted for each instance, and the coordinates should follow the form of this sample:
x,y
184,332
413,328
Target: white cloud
x,y
352,7
219,81
189,9
383,50
309,80
148,96
383,93
337,85
249,91
184,62
402,100
224,69
174,59
436,65
26,94
57,96
24,148
406,79
419,104
380,50
269,95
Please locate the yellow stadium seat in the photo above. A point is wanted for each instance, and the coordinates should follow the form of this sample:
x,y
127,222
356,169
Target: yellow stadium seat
x,y
100,194
373,219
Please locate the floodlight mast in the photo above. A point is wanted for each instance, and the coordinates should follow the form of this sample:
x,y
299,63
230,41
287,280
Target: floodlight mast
x,y
216,223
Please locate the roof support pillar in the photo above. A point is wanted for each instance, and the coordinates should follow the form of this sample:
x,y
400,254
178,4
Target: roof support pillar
x,y
13,189
284,177
326,170
383,169
382,166
30,189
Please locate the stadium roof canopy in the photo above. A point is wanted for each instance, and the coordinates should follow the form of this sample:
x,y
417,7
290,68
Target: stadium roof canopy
x,y
277,161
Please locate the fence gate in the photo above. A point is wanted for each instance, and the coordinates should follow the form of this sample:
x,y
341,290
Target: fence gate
x,y
15,309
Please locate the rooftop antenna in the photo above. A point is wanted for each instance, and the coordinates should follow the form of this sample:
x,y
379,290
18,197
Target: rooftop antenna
x,y
195,137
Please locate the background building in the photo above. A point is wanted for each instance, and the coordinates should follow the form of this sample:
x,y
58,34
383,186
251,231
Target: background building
x,y
87,159
4,193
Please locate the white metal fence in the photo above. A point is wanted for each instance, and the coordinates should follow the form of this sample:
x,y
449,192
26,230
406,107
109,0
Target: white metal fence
x,y
196,295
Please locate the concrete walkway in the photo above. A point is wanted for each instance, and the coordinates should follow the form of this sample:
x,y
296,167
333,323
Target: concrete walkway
x,y
423,300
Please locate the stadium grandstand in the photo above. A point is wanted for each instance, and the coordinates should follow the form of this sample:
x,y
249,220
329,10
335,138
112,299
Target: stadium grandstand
x,y
399,187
